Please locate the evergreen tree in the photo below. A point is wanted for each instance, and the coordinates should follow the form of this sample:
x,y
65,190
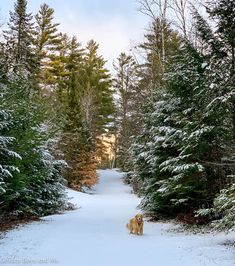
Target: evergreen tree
x,y
96,96
19,40
35,186
153,68
224,207
179,155
76,138
6,153
47,41
126,86
95,82
151,74
222,12
57,66
32,181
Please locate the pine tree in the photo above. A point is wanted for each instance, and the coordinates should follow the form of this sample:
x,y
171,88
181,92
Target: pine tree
x,y
126,86
47,41
96,96
57,66
19,40
153,68
97,102
76,140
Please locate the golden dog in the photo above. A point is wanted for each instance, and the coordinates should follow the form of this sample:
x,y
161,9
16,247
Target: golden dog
x,y
136,225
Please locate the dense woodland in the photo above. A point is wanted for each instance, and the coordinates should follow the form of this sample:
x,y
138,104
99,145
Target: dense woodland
x,y
170,103
177,112
56,99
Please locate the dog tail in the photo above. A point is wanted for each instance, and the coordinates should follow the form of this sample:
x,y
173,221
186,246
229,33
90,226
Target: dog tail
x,y
127,226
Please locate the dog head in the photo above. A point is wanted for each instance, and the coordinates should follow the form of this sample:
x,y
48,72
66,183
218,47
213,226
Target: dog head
x,y
139,218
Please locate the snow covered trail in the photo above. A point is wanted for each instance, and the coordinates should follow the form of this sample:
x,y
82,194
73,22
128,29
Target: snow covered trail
x,y
95,235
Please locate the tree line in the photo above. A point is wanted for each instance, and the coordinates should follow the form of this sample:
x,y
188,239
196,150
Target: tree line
x,y
176,112
55,101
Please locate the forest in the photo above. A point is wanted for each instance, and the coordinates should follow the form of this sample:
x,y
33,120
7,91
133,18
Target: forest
x,y
169,102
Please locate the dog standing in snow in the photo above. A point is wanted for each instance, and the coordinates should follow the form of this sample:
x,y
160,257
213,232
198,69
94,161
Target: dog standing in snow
x,y
136,225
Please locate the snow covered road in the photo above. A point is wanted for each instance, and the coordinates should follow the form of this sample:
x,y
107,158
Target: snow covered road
x,y
95,235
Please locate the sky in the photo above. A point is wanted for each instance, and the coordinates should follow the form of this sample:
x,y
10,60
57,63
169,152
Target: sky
x,y
116,25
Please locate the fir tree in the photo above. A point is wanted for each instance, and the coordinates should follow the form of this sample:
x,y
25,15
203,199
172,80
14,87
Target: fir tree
x,y
36,188
179,155
34,185
6,152
222,83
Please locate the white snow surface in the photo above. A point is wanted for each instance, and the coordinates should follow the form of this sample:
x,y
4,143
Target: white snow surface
x,y
95,235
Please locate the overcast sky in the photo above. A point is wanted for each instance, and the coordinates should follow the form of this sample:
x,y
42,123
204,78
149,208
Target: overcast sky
x,y
115,24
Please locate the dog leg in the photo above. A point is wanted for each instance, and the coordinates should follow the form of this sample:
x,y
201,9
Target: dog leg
x,y
129,227
131,230
141,229
136,231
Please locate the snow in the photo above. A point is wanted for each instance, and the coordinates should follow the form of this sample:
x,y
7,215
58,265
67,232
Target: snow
x,y
204,65
95,235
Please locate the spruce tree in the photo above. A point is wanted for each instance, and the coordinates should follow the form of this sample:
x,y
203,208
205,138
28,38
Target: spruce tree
x,y
37,187
34,185
183,152
6,152
222,13
31,179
